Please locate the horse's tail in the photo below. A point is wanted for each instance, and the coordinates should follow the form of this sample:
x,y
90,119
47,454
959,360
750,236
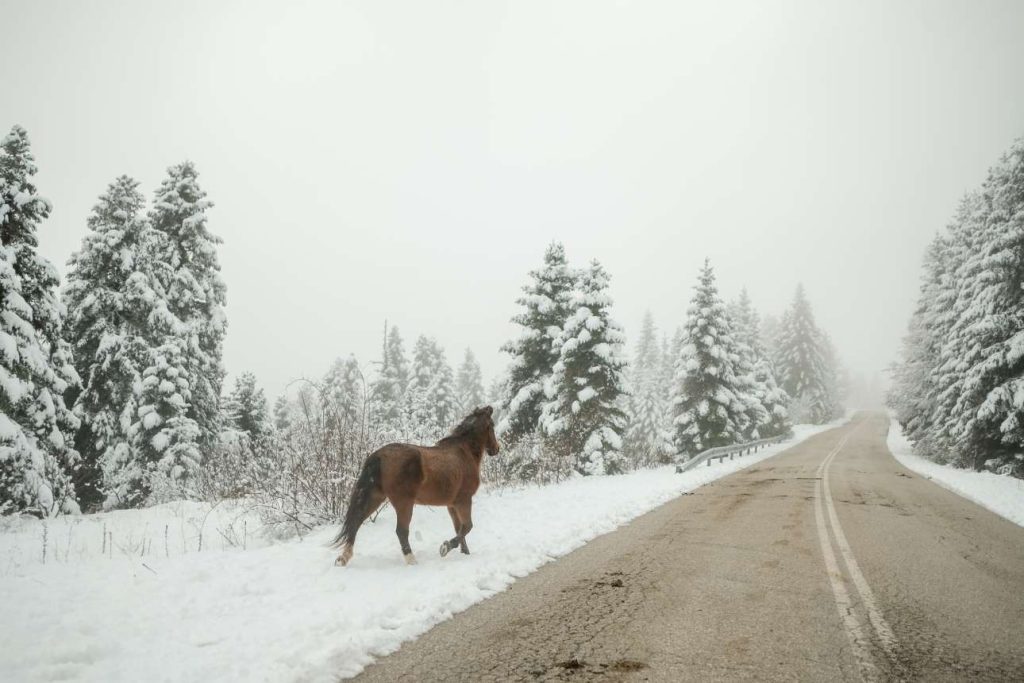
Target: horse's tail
x,y
362,496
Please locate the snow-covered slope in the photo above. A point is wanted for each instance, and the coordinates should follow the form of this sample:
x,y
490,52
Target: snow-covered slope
x,y
1001,494
282,611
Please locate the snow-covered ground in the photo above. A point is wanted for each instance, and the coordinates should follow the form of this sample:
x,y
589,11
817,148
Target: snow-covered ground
x,y
137,607
1001,494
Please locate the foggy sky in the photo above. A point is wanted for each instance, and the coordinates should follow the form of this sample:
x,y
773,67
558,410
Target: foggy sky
x,y
412,160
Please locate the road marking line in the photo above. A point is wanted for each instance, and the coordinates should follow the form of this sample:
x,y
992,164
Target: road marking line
x,y
858,643
823,491
878,622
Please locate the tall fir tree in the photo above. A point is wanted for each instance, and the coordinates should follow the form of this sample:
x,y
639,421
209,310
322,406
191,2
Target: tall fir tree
x,y
805,363
388,390
36,427
545,308
582,416
767,415
431,404
469,384
188,361
708,406
111,297
649,436
981,399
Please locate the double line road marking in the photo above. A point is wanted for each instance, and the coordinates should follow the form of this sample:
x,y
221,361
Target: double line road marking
x,y
855,629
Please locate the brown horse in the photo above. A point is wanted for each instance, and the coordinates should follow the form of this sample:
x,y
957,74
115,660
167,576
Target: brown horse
x,y
447,473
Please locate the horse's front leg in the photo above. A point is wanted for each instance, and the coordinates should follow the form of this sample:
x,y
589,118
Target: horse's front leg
x,y
464,511
447,546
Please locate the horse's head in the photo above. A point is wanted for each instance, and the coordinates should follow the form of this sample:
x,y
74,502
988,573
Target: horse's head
x,y
478,426
490,439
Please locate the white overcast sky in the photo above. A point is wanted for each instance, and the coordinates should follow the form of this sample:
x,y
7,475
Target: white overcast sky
x,y
411,160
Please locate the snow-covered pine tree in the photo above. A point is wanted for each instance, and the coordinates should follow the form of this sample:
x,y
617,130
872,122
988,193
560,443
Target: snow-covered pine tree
x,y
110,298
582,417
282,414
837,378
443,396
944,318
469,384
36,457
545,309
768,415
388,390
342,394
246,407
431,406
649,437
805,363
770,330
987,338
912,395
671,349
708,408
196,295
748,391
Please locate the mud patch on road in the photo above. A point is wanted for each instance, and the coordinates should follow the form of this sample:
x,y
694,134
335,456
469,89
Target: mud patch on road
x,y
579,666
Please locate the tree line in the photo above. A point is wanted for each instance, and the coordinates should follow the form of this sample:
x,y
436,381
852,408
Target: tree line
x,y
720,380
110,388
958,389
112,396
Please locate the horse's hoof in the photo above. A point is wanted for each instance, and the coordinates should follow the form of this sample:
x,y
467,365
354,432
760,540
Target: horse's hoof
x,y
410,559
445,548
344,557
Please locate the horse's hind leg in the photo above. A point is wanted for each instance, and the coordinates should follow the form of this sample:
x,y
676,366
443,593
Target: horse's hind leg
x,y
376,499
403,508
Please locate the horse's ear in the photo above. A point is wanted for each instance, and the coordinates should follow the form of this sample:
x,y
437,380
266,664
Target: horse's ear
x,y
489,410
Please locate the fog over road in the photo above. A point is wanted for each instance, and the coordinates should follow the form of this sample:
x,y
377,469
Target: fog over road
x,y
830,561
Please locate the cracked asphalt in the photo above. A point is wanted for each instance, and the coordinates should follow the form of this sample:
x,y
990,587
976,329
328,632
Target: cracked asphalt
x,y
729,583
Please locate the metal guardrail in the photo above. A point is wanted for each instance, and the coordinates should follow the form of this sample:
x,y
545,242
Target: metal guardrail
x,y
722,452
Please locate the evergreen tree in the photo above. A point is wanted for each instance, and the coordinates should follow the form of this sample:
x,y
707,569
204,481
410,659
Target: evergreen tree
x,y
282,414
442,395
342,393
767,412
196,295
983,353
247,407
649,437
709,410
392,380
582,416
36,458
805,363
469,384
432,407
545,308
110,297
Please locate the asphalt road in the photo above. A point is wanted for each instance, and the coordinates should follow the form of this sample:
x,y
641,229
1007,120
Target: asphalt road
x,y
828,562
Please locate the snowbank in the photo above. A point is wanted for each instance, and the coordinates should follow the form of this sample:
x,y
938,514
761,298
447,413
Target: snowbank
x,y
1001,494
283,611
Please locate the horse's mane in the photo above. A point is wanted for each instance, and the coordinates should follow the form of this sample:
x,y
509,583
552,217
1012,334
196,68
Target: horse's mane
x,y
468,427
